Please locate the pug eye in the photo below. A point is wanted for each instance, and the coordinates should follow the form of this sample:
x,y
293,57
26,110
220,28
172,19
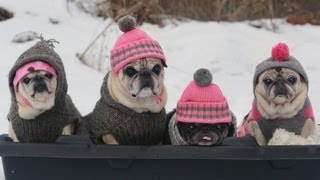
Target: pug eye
x,y
218,126
292,80
156,69
191,127
268,81
48,75
26,80
130,71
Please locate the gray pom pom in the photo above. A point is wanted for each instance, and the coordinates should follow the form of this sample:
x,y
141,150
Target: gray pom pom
x,y
202,77
127,23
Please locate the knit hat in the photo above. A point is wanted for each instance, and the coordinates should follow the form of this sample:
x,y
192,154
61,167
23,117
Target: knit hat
x,y
203,102
42,51
31,67
280,57
132,45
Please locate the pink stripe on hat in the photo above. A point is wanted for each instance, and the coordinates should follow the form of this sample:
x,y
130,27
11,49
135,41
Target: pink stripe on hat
x,y
133,45
203,112
36,66
203,102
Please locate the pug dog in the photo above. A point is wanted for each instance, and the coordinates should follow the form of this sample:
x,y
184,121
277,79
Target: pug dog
x,y
41,110
202,116
140,87
281,99
280,92
133,95
203,134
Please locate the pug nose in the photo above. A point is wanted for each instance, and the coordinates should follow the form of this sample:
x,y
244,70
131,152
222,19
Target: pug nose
x,y
40,86
145,73
281,88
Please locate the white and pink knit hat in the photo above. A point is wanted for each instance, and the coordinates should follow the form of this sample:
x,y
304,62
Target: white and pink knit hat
x,y
203,102
132,45
31,67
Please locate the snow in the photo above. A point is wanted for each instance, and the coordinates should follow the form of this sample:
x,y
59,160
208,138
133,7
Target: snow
x,y
282,137
229,50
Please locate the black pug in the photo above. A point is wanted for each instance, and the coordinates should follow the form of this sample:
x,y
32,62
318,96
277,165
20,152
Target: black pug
x,y
202,116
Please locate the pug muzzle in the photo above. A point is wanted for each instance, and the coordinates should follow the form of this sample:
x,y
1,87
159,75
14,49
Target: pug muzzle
x,y
146,82
203,134
40,85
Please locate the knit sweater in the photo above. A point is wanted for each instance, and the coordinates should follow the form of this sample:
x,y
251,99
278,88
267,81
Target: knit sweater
x,y
46,127
126,125
268,126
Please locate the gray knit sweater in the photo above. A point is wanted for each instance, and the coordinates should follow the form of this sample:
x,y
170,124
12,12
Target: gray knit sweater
x,y
48,126
126,125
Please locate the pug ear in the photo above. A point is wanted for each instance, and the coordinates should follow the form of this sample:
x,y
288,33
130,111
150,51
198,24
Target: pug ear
x,y
302,78
256,80
225,132
164,64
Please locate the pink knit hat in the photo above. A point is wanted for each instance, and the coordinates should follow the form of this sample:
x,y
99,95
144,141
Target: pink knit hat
x,y
203,102
132,45
30,67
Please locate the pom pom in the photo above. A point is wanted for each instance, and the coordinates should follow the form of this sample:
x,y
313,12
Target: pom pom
x,y
202,77
127,23
280,52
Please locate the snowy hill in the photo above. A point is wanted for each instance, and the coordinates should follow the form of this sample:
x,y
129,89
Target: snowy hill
x,y
230,50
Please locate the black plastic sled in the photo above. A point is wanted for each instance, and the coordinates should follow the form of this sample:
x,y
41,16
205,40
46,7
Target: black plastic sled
x,y
77,158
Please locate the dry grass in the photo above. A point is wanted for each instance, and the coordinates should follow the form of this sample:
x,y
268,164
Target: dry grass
x,y
4,14
207,10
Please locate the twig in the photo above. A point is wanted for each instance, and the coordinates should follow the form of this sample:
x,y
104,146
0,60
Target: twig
x,y
92,43
272,15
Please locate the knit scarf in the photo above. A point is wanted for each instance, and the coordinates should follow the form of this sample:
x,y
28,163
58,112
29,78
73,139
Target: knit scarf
x,y
174,133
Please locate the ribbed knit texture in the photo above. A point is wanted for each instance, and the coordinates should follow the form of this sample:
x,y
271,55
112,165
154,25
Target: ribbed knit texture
x,y
174,134
46,127
268,126
126,125
203,104
49,125
133,45
274,62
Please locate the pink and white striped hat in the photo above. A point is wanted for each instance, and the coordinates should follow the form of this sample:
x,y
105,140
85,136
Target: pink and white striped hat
x,y
203,102
132,45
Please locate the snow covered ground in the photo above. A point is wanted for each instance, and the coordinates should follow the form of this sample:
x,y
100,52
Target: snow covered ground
x,y
230,50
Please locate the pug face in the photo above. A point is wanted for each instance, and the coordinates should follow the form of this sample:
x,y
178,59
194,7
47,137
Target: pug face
x,y
39,88
203,134
140,85
280,92
143,78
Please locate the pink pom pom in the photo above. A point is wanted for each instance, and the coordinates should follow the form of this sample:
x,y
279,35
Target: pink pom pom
x,y
280,52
